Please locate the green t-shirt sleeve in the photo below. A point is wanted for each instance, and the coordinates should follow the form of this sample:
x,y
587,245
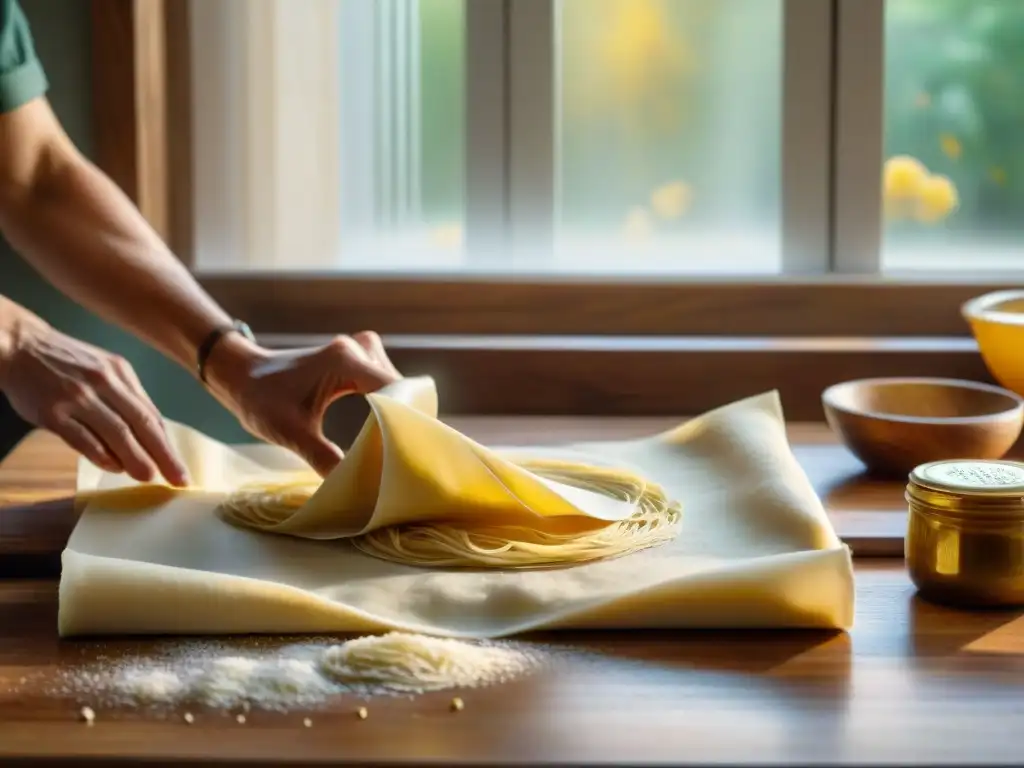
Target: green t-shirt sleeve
x,y
22,78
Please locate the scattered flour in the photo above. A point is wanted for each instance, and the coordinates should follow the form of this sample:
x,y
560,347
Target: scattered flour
x,y
223,682
150,686
235,681
281,676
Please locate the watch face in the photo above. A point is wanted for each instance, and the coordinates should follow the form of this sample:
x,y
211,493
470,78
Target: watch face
x,y
245,330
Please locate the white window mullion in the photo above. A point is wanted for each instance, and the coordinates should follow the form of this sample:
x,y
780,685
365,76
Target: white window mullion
x,y
405,67
859,136
402,117
383,78
487,133
533,120
414,127
807,88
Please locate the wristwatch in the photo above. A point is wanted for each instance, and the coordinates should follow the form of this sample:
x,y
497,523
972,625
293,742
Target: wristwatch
x,y
203,354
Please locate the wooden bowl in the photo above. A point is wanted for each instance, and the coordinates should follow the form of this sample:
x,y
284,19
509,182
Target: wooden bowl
x,y
896,424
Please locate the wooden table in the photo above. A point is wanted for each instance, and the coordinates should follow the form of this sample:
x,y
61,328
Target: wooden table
x,y
912,683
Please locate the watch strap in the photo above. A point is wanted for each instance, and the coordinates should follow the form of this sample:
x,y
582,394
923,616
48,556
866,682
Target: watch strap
x,y
211,341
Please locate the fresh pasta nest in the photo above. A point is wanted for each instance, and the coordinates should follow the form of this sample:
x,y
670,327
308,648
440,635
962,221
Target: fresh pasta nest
x,y
475,543
415,663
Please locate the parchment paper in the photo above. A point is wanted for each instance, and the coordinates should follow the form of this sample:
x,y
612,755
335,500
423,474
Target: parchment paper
x,y
756,548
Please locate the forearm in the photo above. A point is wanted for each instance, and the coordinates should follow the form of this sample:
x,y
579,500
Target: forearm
x,y
86,238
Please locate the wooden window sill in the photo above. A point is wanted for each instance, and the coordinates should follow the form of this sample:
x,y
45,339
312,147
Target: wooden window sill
x,y
654,376
566,305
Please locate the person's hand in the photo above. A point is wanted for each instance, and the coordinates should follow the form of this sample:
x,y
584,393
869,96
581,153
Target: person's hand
x,y
281,396
90,398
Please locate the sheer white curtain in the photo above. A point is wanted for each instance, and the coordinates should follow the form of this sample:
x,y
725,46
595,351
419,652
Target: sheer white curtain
x,y
306,126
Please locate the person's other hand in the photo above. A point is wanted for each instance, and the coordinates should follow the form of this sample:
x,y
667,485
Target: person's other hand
x,y
281,396
90,398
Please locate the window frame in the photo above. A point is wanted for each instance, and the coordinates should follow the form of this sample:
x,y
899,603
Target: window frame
x,y
859,137
797,332
532,40
134,90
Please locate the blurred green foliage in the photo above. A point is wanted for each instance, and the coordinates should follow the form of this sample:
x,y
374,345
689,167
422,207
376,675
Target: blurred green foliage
x,y
442,74
955,100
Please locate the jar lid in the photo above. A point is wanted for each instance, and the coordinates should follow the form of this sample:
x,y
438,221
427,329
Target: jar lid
x,y
972,477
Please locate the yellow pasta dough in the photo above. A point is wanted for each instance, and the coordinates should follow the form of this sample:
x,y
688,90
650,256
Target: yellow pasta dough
x,y
479,543
754,547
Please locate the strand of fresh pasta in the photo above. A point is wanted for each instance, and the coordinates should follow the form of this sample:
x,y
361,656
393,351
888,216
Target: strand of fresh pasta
x,y
468,544
259,504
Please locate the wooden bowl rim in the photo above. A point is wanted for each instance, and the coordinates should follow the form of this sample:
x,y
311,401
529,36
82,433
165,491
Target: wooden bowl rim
x,y
982,308
1016,411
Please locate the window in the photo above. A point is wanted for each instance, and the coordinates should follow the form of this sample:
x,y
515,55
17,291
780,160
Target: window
x,y
603,136
669,136
628,138
657,205
721,139
954,113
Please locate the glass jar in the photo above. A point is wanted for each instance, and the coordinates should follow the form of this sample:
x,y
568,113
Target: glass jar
x,y
965,532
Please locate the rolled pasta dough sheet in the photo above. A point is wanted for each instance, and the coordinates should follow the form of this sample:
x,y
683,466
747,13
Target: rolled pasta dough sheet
x,y
756,549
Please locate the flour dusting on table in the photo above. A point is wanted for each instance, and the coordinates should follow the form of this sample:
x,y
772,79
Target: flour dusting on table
x,y
262,673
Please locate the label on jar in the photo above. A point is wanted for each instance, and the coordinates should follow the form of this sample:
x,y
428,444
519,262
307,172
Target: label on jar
x,y
983,476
